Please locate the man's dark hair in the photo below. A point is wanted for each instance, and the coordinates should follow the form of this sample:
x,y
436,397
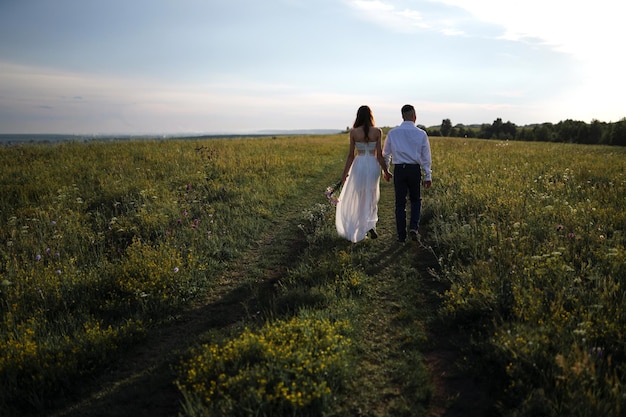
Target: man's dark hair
x,y
407,112
407,108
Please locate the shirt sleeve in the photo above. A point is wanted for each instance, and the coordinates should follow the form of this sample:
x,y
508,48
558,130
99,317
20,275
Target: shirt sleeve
x,y
426,161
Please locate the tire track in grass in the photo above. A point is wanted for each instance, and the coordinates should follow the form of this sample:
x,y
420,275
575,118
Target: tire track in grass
x,y
141,383
388,337
410,363
456,390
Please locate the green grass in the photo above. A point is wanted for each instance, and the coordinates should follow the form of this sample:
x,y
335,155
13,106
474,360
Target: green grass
x,y
531,238
113,247
102,241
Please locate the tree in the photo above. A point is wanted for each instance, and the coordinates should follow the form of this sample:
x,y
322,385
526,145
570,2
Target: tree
x,y
544,132
571,131
508,131
496,128
595,131
446,127
461,131
485,131
618,133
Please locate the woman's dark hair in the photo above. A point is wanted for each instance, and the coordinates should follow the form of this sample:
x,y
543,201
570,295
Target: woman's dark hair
x,y
365,118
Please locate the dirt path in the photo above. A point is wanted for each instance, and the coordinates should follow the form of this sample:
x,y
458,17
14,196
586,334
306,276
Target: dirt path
x,y
457,393
141,383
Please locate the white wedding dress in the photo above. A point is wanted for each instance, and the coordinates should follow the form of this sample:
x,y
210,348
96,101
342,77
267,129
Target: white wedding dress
x,y
357,209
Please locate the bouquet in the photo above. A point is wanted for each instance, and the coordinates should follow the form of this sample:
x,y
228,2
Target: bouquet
x,y
332,193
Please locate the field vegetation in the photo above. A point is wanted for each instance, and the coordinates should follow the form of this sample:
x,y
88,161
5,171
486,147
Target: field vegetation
x,y
104,245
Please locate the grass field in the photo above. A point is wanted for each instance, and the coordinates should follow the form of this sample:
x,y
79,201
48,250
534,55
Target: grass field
x,y
204,277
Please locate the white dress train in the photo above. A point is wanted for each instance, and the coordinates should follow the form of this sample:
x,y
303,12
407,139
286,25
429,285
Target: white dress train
x,y
357,209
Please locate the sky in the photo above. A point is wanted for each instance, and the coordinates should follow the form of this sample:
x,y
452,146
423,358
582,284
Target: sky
x,y
245,66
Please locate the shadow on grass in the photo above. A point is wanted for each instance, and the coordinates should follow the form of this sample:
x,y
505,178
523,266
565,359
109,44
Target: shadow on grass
x,y
141,382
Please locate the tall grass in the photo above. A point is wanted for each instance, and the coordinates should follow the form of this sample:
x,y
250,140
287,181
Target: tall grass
x,y
102,240
532,240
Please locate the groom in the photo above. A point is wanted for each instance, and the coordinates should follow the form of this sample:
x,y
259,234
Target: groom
x,y
408,146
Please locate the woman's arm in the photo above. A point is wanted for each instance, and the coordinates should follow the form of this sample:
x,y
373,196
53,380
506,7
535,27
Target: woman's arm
x,y
379,157
349,159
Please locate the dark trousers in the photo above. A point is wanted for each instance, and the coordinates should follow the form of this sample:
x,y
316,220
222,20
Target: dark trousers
x,y
407,181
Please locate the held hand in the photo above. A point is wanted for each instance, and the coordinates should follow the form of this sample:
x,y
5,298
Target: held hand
x,y
387,176
427,184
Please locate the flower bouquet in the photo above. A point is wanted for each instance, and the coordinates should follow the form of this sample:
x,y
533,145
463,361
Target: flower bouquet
x,y
332,193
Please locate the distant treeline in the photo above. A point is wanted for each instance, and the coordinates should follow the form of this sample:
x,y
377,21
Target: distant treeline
x,y
567,131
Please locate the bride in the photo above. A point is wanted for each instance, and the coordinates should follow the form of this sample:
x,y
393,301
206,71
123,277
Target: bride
x,y
357,209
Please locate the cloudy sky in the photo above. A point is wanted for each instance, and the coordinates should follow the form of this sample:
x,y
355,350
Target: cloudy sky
x,y
216,66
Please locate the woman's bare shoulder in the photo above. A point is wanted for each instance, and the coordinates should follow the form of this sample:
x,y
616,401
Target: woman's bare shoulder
x,y
358,134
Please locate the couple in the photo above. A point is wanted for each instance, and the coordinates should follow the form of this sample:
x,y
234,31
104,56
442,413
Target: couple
x,y
409,148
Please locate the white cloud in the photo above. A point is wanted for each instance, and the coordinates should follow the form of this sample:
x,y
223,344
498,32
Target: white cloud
x,y
592,33
386,15
577,28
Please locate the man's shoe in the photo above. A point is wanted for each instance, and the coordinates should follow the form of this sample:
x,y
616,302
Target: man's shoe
x,y
414,235
373,233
